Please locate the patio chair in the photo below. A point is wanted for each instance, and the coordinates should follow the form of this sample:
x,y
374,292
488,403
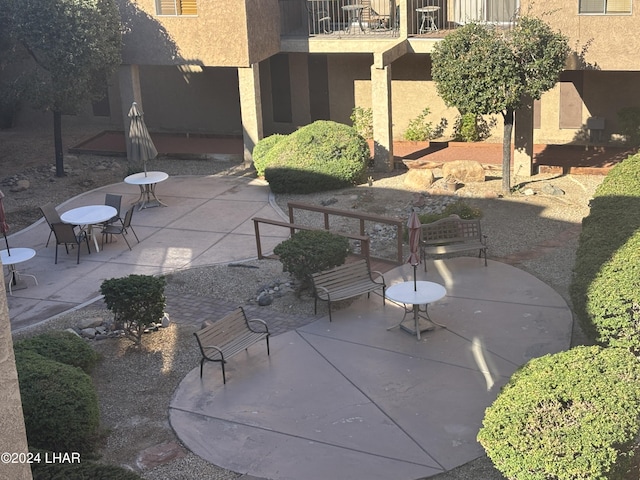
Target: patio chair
x,y
66,235
380,14
114,229
114,201
52,216
319,17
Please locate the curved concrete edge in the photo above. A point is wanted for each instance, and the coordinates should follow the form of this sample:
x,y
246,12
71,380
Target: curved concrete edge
x,y
68,286
353,399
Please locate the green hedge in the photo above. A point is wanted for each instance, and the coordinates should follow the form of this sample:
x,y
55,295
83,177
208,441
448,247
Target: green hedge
x,y
59,402
260,152
321,156
605,287
63,347
311,251
567,416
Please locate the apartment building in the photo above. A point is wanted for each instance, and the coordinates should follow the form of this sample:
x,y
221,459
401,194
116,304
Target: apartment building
x,y
258,67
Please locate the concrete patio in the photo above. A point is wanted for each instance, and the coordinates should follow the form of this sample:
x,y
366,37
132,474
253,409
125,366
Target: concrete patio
x,y
342,400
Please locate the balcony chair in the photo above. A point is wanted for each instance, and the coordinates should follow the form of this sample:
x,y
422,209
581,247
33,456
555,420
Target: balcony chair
x,y
319,17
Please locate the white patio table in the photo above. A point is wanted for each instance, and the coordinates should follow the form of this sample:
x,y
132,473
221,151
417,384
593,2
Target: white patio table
x,y
88,216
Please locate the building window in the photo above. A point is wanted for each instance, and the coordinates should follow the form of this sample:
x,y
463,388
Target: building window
x,y
605,7
177,7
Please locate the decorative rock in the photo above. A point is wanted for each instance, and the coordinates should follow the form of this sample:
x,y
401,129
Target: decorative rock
x,y
21,186
159,455
88,332
552,190
91,322
71,330
464,171
419,178
528,192
265,299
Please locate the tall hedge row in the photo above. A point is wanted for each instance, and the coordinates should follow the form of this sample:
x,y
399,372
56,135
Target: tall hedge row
x,y
605,289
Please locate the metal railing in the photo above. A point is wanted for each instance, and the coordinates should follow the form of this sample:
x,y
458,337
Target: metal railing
x,y
328,212
354,18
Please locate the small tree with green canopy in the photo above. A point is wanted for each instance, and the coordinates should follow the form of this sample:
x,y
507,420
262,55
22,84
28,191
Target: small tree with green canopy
x,y
483,70
75,46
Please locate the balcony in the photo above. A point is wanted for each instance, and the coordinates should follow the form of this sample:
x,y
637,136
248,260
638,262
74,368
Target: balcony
x,y
344,19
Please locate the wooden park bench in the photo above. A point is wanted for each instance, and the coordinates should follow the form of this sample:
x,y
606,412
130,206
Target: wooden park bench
x,y
345,281
228,336
452,235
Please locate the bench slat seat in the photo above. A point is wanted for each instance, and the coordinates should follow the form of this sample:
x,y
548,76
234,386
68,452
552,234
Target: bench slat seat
x,y
229,336
346,281
452,235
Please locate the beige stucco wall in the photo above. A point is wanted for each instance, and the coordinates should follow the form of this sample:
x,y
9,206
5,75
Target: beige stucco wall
x,y
14,437
611,46
224,33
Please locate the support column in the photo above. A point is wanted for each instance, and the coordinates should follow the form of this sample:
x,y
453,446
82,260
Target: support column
x,y
523,142
251,109
129,82
14,435
382,118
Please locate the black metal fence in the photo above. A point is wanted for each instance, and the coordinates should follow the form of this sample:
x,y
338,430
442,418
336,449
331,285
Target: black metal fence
x,y
343,18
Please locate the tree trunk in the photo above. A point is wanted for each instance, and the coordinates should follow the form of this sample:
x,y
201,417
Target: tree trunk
x,y
506,150
57,139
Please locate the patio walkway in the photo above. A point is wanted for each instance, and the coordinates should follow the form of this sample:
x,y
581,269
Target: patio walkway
x,y
340,400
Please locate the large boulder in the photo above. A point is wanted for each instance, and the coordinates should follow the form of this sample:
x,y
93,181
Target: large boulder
x,y
464,171
419,178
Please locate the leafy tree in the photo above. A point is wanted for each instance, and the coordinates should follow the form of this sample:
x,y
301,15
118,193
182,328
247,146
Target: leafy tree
x,y
483,70
75,46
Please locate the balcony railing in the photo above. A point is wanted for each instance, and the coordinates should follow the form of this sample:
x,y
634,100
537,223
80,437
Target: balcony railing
x,y
425,18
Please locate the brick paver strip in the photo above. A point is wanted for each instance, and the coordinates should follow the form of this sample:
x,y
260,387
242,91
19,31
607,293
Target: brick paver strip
x,y
185,309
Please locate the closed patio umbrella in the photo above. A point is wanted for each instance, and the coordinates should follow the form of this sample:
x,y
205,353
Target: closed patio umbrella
x,y
414,226
4,226
140,147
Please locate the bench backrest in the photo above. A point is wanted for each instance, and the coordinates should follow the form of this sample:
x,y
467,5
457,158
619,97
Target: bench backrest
x,y
341,275
223,330
451,229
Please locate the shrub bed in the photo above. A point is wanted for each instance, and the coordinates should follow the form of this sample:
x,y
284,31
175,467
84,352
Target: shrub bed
x,y
605,288
260,152
63,347
311,251
567,416
321,156
59,402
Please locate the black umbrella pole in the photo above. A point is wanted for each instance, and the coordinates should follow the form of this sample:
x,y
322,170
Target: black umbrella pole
x,y
415,281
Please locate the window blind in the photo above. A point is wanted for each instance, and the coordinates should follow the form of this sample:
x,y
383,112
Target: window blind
x,y
177,7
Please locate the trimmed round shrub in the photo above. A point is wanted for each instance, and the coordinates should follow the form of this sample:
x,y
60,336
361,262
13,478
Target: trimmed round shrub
x,y
63,347
321,156
311,251
566,416
260,152
59,402
605,289
136,301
